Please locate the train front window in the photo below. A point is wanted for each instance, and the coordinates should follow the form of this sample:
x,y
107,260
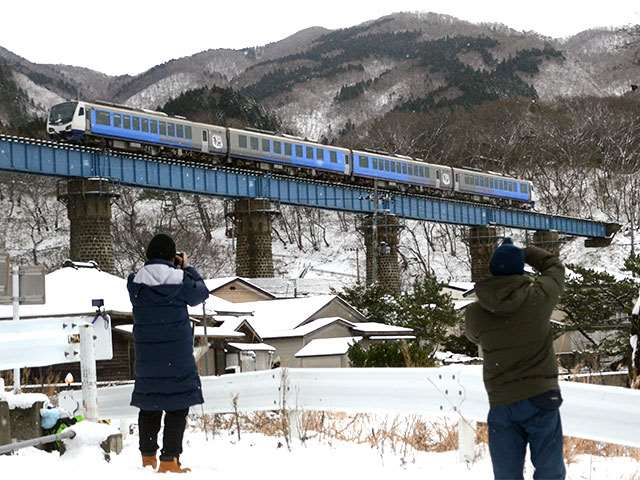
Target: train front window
x,y
62,113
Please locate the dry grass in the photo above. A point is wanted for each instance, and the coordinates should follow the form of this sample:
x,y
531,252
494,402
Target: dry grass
x,y
578,446
401,435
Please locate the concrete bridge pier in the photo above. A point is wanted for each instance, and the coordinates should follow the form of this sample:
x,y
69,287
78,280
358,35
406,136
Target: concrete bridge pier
x,y
482,242
382,237
548,240
88,204
252,220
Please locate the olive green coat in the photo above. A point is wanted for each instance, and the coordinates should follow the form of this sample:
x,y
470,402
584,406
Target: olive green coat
x,y
511,322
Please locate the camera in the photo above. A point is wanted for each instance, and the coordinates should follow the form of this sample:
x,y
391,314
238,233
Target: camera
x,y
178,261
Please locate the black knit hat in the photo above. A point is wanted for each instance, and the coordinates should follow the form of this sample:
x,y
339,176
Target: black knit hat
x,y
161,246
507,259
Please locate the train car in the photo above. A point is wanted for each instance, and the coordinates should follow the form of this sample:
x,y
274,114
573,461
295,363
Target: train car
x,y
127,128
284,150
493,185
401,170
67,121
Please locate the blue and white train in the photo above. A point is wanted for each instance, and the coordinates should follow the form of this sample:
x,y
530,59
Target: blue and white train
x,y
136,130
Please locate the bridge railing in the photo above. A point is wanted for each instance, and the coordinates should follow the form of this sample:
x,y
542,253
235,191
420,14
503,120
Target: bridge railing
x,y
594,412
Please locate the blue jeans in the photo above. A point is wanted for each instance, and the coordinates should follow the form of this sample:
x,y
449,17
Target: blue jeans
x,y
535,421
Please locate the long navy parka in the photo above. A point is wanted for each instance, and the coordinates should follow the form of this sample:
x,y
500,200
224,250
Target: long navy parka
x,y
166,374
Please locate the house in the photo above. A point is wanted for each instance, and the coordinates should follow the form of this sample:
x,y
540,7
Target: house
x,y
290,324
237,290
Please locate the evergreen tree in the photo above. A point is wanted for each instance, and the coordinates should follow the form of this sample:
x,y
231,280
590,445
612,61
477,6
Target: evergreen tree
x,y
596,301
425,309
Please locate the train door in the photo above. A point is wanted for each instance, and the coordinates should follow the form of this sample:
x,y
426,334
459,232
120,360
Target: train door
x,y
205,141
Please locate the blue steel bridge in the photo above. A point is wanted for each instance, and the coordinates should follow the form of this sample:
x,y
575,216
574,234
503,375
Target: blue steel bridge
x,y
41,157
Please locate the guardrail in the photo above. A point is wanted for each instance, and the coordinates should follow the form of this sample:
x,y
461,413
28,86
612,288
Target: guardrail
x,y
594,412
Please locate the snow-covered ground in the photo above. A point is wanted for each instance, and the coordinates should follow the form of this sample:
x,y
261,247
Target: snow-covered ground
x,y
260,456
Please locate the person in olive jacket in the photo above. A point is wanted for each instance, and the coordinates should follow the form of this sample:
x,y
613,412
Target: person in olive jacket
x,y
511,323
166,378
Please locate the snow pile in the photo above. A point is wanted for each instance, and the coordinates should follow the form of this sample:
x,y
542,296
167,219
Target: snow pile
x,y
450,357
22,400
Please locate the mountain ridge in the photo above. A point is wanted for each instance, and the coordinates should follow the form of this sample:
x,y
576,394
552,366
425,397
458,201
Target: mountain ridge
x,y
394,59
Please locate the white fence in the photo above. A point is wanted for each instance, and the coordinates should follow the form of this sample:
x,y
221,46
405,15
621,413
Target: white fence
x,y
595,412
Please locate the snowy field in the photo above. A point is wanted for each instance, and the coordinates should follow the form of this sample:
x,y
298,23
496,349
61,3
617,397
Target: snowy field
x,y
260,456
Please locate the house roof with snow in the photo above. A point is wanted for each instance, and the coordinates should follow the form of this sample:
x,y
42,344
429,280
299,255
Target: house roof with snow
x,y
271,318
250,347
70,290
381,329
321,347
311,327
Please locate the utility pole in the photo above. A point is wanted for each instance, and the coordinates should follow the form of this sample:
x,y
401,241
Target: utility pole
x,y
374,226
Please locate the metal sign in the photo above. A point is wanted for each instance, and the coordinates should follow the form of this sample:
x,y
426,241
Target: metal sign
x,y
48,341
32,284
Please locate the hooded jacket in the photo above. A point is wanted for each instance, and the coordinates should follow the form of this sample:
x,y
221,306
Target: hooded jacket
x,y
165,369
511,322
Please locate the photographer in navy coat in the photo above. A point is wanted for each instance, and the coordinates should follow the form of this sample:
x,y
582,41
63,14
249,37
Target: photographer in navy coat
x,y
166,376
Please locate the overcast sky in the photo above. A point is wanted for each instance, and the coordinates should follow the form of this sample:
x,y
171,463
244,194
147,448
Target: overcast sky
x,y
130,36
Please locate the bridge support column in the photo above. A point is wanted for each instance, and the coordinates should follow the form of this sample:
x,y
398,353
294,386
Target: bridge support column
x,y
482,243
550,241
88,204
381,238
252,223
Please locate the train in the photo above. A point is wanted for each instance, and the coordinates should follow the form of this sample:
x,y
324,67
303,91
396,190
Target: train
x,y
156,133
